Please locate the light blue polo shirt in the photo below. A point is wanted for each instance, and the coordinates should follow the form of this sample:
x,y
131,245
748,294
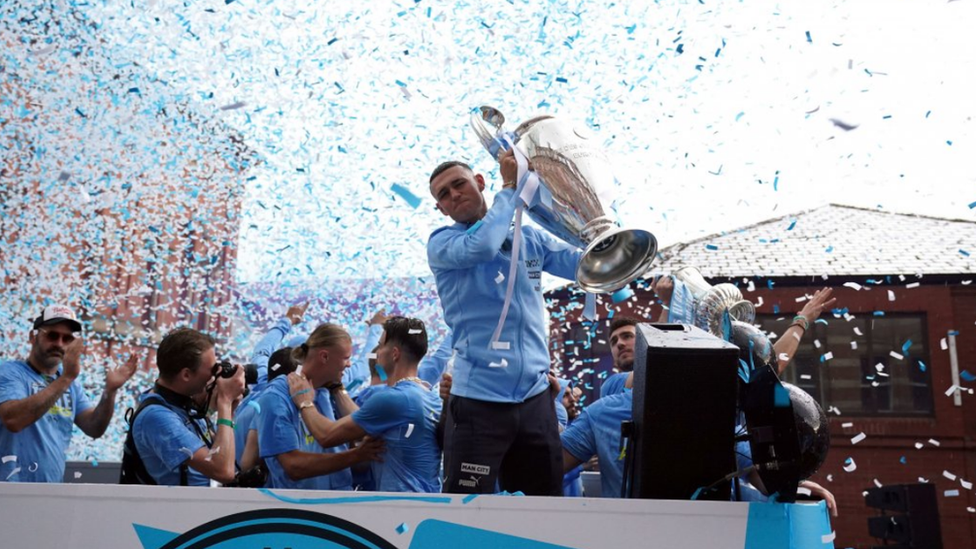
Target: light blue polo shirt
x,y
37,453
405,416
281,430
597,432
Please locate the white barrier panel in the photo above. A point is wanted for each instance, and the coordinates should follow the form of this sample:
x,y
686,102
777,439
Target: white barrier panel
x,y
153,517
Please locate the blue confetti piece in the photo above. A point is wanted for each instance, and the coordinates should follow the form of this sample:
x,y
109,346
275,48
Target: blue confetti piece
x,y
967,376
809,38
829,249
948,142
922,366
712,247
906,346
820,321
561,80
972,205
792,224
776,181
879,313
953,332
781,397
964,252
403,528
401,84
927,114
903,460
468,499
741,114
405,194
622,294
775,309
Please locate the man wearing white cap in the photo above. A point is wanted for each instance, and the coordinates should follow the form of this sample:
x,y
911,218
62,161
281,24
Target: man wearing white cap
x,y
41,397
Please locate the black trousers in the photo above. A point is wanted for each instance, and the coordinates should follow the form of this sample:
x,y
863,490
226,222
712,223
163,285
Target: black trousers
x,y
514,444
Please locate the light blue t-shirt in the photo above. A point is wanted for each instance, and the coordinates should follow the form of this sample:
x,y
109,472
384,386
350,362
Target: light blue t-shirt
x,y
597,431
165,437
39,448
244,420
614,384
281,430
405,416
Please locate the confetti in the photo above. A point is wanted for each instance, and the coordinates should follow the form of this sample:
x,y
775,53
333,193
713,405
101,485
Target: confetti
x,y
849,465
403,528
858,438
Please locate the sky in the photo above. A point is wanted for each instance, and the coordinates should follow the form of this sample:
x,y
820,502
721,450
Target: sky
x,y
716,114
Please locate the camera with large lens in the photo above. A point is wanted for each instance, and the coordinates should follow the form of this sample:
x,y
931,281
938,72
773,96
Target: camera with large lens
x,y
225,369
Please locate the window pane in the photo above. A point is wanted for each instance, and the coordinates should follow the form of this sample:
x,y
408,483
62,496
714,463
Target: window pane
x,y
862,374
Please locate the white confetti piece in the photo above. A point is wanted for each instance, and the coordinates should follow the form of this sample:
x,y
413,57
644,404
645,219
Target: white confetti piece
x,y
8,459
806,377
951,493
951,390
409,430
803,491
816,343
830,478
858,438
501,345
853,345
853,285
371,356
847,425
919,445
948,475
943,344
857,331
934,442
896,355
878,483
500,278
912,285
801,299
891,295
502,364
784,357
414,331
966,485
14,472
850,466
828,538
77,475
879,367
828,356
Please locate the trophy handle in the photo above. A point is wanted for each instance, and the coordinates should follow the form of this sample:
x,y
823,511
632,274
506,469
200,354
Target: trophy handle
x,y
488,124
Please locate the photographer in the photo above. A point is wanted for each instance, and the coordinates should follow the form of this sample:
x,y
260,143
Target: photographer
x,y
171,440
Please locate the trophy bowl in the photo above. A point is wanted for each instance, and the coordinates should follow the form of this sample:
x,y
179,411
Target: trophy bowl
x,y
576,181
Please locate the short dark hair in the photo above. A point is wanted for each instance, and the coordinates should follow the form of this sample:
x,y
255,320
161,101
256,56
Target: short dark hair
x,y
181,348
444,166
621,321
409,334
281,363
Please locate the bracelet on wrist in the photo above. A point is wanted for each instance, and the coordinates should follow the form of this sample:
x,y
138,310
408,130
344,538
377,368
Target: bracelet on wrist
x,y
801,321
224,421
299,393
306,404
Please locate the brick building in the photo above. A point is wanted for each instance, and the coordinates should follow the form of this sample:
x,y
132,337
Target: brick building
x,y
896,362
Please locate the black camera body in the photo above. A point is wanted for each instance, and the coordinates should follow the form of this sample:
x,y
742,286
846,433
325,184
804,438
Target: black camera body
x,y
226,370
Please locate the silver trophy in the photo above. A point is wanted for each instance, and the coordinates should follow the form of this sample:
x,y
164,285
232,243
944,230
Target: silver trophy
x,y
576,179
711,302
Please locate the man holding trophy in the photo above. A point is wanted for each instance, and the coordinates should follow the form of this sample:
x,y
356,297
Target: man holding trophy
x,y
500,421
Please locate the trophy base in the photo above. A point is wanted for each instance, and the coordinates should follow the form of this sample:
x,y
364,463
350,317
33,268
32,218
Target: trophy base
x,y
614,259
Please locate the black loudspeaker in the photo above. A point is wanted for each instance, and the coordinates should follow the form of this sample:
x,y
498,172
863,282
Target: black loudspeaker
x,y
685,384
914,522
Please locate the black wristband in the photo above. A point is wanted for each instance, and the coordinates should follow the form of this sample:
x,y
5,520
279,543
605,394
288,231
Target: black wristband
x,y
333,386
